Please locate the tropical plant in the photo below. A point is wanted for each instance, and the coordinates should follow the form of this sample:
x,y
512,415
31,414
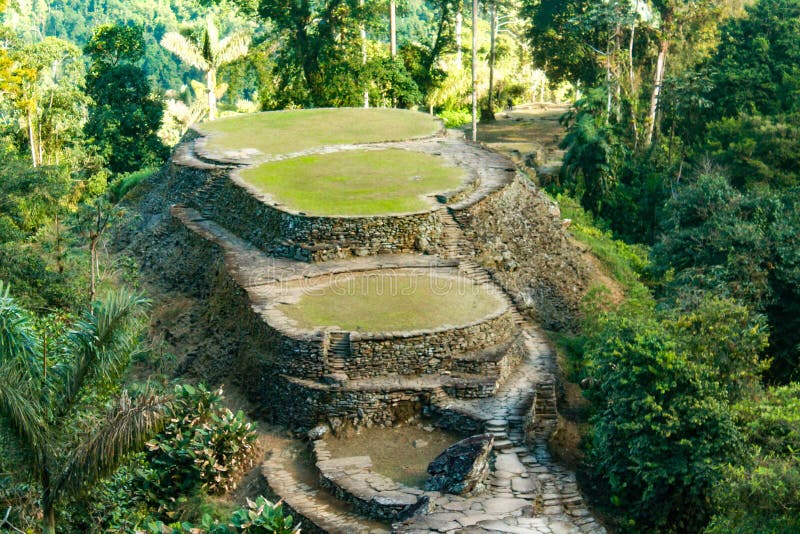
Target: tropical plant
x,y
594,153
203,446
263,517
50,390
208,54
663,429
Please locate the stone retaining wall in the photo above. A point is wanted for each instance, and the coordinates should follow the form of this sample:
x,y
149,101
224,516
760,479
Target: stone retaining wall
x,y
425,351
312,238
518,234
371,494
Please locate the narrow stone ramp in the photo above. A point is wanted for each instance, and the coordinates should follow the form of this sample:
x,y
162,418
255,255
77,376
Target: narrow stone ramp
x,y
253,268
313,504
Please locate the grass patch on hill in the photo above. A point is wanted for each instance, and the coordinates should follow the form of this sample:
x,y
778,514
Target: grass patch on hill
x,y
391,302
626,263
361,182
283,132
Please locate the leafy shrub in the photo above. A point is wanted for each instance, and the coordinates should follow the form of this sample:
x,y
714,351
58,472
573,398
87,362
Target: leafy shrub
x,y
204,446
663,430
258,517
125,182
453,118
763,495
263,517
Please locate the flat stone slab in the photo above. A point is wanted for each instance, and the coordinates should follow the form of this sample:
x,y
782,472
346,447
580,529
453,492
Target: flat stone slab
x,y
504,505
509,463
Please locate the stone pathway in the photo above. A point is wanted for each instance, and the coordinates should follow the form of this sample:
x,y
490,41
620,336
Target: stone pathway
x,y
311,502
527,490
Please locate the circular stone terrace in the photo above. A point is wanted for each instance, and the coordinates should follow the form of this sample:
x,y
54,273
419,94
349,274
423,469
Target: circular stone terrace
x,y
324,184
389,301
320,163
368,323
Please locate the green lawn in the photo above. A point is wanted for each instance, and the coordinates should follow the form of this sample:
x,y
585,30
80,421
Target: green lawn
x,y
283,132
381,302
356,182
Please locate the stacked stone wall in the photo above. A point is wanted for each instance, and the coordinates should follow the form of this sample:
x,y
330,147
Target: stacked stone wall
x,y
423,352
315,238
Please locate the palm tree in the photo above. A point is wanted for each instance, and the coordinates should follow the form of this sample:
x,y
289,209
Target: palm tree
x,y
49,392
208,55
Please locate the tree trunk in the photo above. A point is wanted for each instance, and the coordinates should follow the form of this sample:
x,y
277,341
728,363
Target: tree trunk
x,y
474,70
92,268
363,31
492,37
632,80
658,81
32,138
392,29
211,85
459,52
48,504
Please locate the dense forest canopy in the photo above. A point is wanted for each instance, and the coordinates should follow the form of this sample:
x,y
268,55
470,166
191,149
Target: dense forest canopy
x,y
682,148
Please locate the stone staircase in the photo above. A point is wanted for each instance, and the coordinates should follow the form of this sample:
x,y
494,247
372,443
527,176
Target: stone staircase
x,y
339,350
457,246
543,417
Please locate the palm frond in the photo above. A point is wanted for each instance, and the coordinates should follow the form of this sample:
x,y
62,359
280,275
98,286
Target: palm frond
x,y
185,49
232,48
23,416
127,427
103,343
211,39
17,339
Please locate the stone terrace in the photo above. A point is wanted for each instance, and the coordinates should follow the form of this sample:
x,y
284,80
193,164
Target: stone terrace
x,y
499,378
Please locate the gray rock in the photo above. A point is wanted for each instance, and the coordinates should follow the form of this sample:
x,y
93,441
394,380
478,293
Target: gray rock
x,y
463,467
318,432
419,443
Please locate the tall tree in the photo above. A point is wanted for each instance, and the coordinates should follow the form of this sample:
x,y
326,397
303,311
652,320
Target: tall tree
x,y
125,116
208,54
45,391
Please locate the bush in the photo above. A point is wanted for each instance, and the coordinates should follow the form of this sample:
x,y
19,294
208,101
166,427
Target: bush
x,y
125,182
764,494
204,446
453,118
263,517
662,431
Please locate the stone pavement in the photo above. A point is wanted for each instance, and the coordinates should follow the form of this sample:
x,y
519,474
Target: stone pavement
x,y
527,490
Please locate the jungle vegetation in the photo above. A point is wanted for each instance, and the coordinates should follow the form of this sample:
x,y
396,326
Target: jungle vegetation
x,y
682,144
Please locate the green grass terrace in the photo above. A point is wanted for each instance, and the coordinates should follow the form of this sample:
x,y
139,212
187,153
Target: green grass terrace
x,y
391,302
356,182
284,132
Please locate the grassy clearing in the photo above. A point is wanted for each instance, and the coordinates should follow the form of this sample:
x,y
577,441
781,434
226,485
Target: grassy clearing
x,y
393,452
625,262
282,132
362,182
390,302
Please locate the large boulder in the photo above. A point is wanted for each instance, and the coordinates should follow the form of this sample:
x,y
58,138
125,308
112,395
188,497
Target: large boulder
x,y
462,468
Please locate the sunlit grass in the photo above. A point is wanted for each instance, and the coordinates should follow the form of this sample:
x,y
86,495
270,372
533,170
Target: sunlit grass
x,y
392,302
362,182
282,132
